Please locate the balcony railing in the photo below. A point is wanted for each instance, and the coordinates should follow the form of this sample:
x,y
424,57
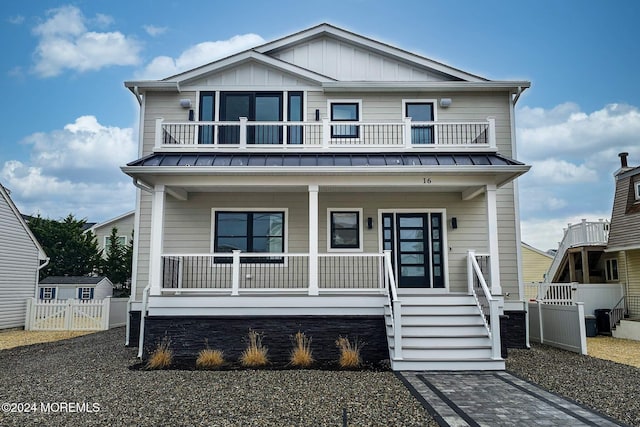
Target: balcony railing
x,y
324,134
237,273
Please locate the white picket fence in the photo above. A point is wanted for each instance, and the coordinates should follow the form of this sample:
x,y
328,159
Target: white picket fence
x,y
67,315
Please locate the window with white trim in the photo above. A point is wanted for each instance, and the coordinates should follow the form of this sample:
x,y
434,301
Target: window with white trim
x,y
345,111
249,231
422,112
638,190
611,269
48,293
122,241
344,228
85,293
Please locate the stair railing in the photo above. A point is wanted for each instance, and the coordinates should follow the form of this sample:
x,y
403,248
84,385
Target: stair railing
x,y
395,305
617,312
486,302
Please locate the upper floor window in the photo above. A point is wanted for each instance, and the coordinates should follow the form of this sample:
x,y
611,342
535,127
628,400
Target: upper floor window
x,y
345,111
420,112
122,242
637,190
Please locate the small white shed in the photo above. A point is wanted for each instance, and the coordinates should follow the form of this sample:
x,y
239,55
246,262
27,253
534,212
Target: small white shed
x,y
75,287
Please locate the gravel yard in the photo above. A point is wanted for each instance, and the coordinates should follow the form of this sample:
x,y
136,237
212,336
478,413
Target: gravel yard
x,y
608,387
93,369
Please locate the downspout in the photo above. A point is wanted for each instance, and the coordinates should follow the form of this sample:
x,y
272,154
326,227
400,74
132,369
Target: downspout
x,y
518,93
136,92
40,267
142,185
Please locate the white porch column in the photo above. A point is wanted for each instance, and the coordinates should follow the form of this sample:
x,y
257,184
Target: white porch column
x,y
492,230
157,238
313,240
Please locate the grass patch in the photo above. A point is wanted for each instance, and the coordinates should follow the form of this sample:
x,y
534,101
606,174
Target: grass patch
x,y
301,355
349,353
162,356
255,355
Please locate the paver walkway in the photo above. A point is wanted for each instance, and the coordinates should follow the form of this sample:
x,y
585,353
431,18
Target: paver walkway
x,y
495,399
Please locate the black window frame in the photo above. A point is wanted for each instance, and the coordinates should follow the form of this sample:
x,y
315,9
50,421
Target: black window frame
x,y
229,134
333,229
295,134
421,134
249,236
356,129
612,273
206,133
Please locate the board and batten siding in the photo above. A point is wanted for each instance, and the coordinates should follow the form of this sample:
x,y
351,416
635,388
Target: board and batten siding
x,y
19,262
188,225
345,61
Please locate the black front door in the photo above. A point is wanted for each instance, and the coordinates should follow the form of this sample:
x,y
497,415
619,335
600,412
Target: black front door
x,y
416,243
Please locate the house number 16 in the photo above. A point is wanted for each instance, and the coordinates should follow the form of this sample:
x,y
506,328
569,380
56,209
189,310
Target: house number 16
x,y
426,180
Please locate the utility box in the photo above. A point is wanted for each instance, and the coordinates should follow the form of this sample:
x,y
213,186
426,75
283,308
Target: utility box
x,y
602,320
590,325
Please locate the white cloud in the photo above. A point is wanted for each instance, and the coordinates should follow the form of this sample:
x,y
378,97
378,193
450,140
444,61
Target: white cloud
x,y
74,170
552,171
154,31
16,20
66,43
197,55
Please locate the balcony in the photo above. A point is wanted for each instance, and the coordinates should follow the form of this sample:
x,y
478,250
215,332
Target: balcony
x,y
324,134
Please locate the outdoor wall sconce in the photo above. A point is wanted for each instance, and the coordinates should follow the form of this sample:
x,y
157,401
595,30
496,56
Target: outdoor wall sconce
x,y
454,223
317,115
185,103
445,102
369,223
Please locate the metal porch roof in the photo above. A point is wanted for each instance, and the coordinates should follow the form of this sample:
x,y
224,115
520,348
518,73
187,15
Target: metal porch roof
x,y
222,159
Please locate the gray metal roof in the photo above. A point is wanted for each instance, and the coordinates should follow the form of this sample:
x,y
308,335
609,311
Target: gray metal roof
x,y
221,159
71,280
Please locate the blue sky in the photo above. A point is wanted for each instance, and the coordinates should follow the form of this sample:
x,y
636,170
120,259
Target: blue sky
x,y
69,123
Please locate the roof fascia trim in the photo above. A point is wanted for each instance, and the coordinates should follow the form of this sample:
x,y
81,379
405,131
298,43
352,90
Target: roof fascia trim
x,y
511,86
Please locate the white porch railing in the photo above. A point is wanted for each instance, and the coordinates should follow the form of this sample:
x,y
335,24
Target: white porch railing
x,y
324,134
487,303
575,235
551,293
237,272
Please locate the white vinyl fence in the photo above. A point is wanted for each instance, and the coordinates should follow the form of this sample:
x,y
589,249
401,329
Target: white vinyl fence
x,y
75,315
558,326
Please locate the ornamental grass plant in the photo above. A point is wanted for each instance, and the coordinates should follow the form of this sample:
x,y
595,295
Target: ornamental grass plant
x,y
255,355
349,353
162,356
301,355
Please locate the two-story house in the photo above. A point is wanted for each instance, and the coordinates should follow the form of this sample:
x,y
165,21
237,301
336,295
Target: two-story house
x,y
622,258
333,184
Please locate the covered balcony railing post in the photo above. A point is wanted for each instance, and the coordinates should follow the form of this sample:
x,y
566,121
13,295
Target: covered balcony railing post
x,y
158,139
492,132
243,132
326,132
235,275
407,132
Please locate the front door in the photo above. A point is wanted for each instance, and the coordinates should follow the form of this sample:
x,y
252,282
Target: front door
x,y
416,242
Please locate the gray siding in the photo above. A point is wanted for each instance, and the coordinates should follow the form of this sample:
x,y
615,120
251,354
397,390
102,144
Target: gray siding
x,y
18,268
124,226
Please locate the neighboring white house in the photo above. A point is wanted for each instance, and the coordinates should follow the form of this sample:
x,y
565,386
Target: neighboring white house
x,y
21,258
74,287
123,223
330,183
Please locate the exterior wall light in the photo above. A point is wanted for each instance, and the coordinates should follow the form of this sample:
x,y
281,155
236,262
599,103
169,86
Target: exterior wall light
x,y
185,103
445,102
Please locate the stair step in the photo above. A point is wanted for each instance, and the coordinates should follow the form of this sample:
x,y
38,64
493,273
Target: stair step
x,y
440,309
447,365
444,342
437,299
442,319
445,353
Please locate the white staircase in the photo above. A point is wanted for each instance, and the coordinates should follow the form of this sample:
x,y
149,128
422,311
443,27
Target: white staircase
x,y
444,332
